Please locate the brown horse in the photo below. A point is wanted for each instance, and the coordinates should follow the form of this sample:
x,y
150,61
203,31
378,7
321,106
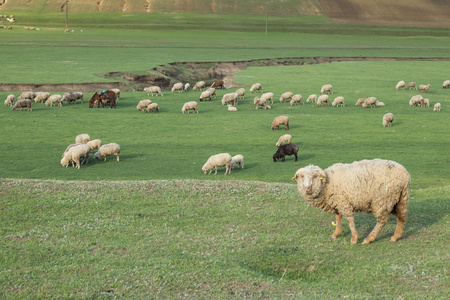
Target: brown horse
x,y
103,98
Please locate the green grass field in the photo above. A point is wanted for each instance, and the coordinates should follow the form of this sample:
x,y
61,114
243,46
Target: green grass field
x,y
154,226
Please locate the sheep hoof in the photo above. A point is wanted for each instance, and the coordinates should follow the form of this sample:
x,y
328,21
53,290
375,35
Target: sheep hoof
x,y
353,243
365,242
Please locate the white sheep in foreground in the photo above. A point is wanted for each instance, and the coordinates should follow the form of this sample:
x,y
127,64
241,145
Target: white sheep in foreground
x,y
380,187
416,100
237,160
259,102
143,104
437,107
369,102
241,93
400,85
94,144
284,139
187,86
286,96
218,160
153,90
232,108
230,97
280,120
41,97
360,101
256,87
424,87
200,85
411,85
108,150
75,154
21,104
212,91
152,107
54,99
312,98
71,157
205,95
388,119
322,100
446,84
177,87
191,105
268,96
26,95
337,101
10,100
296,99
69,147
426,102
83,138
326,88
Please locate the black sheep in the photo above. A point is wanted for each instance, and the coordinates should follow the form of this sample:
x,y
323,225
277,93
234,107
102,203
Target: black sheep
x,y
283,150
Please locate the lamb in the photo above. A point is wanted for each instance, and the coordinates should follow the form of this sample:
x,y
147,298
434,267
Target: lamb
x,y
283,150
26,95
400,85
241,93
388,119
322,99
54,99
379,103
360,101
220,84
296,99
94,144
337,101
83,138
177,87
312,98
212,91
259,102
143,104
280,120
22,103
199,86
268,96
411,85
446,84
256,87
286,96
326,88
416,100
424,87
230,97
10,100
191,105
41,97
237,160
374,186
108,150
187,86
153,90
152,107
232,108
370,101
284,139
426,102
205,95
218,160
437,107
266,107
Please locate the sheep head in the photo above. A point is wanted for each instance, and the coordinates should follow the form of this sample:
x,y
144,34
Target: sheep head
x,y
311,180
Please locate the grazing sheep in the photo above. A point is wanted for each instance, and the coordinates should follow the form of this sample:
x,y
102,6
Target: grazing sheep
x,y
54,99
153,90
312,98
26,95
205,95
283,150
108,150
256,87
326,88
232,108
400,85
388,119
411,85
218,160
296,99
74,154
212,91
71,157
416,100
241,93
322,99
379,103
424,87
83,150
259,102
83,138
446,84
41,97
72,97
220,84
426,102
369,102
191,105
337,101
230,97
22,103
268,96
199,86
177,87
380,187
143,104
152,107
237,160
360,101
284,139
10,100
94,144
70,147
280,120
437,107
286,96
187,86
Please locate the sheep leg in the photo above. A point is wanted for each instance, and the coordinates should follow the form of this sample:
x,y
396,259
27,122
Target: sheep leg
x,y
351,224
295,154
216,170
381,221
117,157
338,231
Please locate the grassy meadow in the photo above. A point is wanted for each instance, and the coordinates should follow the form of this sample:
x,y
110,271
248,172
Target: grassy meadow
x,y
154,226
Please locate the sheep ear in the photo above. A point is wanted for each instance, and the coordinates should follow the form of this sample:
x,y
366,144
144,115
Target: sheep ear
x,y
323,175
297,174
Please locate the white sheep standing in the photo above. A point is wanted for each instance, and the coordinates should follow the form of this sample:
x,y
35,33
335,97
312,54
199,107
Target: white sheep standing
x,y
426,102
437,107
26,95
256,87
54,99
388,119
83,138
200,85
416,100
218,160
108,150
296,99
337,101
241,93
187,86
153,90
280,120
75,153
446,84
94,144
259,102
284,139
152,107
424,87
71,157
286,96
143,104
191,105
212,91
232,108
369,102
400,85
268,96
411,85
177,87
10,100
41,97
380,187
237,160
312,98
322,100
230,97
205,95
326,88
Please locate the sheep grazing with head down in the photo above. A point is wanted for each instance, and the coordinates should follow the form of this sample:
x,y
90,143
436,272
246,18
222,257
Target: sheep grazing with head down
x,y
424,87
284,139
256,87
212,92
284,150
446,84
312,98
83,138
268,96
426,102
326,88
241,93
26,95
280,120
388,119
437,107
94,144
21,104
199,86
191,105
218,160
187,86
10,100
411,85
230,98
41,97
371,101
177,87
380,187
337,101
296,99
237,160
400,85
153,90
108,150
360,101
259,102
74,154
143,104
322,100
152,107
205,95
71,157
53,99
286,96
416,100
